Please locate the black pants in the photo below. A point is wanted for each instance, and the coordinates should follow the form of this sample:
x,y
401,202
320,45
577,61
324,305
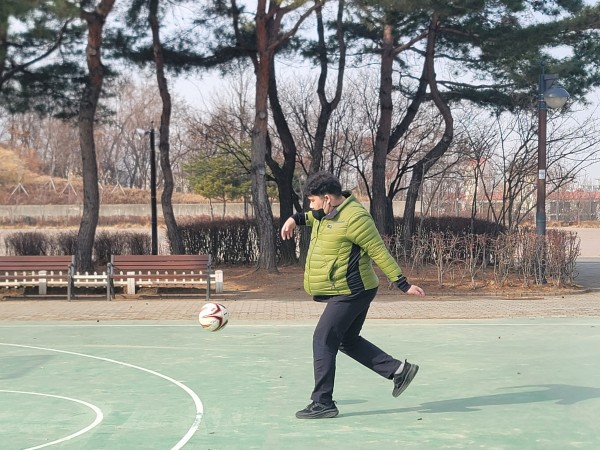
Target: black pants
x,y
339,329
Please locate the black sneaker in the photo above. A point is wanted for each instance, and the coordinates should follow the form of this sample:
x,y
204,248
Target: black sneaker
x,y
318,411
403,379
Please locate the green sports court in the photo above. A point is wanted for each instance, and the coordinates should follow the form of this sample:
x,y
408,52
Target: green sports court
x,y
521,383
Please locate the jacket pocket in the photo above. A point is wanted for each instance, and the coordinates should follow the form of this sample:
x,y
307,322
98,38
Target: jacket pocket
x,y
331,268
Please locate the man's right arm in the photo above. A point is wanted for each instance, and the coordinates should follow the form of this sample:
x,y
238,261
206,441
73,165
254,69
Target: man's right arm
x,y
287,230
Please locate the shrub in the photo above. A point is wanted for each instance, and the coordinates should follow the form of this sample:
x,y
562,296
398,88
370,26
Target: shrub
x,y
27,243
229,241
469,255
562,250
120,243
454,225
137,243
64,243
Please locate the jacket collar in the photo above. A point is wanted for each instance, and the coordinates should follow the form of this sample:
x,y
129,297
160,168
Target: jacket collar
x,y
334,212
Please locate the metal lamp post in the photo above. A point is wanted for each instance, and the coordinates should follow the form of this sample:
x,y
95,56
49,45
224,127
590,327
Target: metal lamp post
x,y
154,220
552,95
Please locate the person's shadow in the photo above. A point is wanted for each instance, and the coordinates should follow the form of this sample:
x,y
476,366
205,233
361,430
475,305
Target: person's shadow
x,y
560,394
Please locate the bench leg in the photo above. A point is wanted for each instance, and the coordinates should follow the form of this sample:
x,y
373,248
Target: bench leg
x,y
219,281
131,284
42,286
109,289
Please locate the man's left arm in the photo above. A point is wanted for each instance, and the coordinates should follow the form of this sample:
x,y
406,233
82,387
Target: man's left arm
x,y
365,234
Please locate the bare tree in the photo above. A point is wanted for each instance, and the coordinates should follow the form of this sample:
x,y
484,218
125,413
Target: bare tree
x,y
422,166
503,161
381,207
52,140
477,151
59,150
123,157
227,126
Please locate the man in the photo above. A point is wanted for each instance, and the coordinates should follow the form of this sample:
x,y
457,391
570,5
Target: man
x,y
344,242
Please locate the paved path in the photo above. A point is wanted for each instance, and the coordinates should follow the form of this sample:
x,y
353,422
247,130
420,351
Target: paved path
x,y
588,269
585,304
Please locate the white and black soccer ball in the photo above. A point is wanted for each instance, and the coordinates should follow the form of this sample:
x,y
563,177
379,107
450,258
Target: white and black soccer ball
x,y
213,316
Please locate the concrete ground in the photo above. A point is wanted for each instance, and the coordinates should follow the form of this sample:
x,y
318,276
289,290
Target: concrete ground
x,y
123,385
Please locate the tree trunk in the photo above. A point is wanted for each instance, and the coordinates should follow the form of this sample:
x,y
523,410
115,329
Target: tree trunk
x,y
177,246
327,107
284,174
260,201
398,132
412,194
287,250
268,38
379,202
422,167
385,141
89,102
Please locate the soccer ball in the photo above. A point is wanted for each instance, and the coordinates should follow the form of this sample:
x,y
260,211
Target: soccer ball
x,y
213,316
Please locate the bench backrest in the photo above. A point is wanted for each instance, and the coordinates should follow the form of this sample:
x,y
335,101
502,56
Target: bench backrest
x,y
161,262
34,263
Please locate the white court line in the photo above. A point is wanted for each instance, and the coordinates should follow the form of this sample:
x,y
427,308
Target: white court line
x,y
195,398
99,416
290,324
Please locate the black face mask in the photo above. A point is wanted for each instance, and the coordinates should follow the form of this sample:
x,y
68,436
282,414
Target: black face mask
x,y
318,214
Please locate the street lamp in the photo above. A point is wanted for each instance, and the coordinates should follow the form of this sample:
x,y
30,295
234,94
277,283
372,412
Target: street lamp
x,y
142,132
553,95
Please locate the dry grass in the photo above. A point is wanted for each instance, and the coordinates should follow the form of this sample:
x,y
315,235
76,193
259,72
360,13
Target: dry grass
x,y
44,190
244,282
59,191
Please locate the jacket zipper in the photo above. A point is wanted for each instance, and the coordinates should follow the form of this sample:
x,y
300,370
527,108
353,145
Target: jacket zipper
x,y
311,247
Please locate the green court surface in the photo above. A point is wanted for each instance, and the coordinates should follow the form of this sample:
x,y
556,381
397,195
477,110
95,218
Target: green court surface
x,y
491,384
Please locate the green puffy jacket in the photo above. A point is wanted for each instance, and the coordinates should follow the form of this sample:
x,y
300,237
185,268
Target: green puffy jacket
x,y
343,246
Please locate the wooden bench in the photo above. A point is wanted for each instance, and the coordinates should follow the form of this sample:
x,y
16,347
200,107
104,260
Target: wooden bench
x,y
37,271
131,271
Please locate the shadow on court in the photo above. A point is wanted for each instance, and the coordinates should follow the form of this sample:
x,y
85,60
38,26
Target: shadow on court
x,y
493,384
560,394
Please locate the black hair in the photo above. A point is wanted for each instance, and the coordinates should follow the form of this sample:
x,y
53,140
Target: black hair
x,y
321,183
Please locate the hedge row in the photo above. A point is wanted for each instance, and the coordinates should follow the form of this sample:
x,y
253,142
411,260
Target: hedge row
x,y
65,243
446,243
535,259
